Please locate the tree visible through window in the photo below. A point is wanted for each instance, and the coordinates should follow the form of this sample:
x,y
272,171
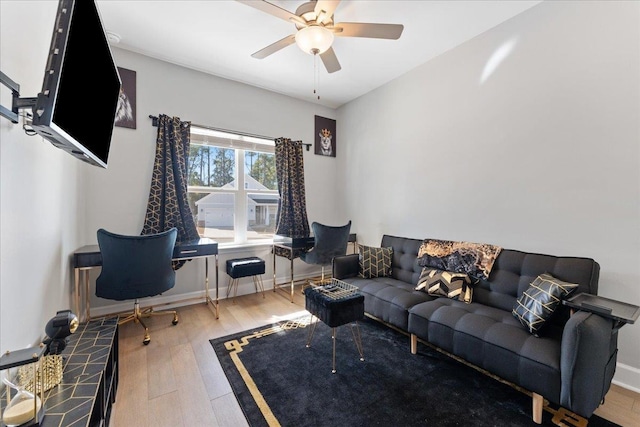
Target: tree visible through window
x,y
233,190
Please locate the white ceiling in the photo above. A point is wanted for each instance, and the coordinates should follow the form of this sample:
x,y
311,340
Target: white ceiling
x,y
219,36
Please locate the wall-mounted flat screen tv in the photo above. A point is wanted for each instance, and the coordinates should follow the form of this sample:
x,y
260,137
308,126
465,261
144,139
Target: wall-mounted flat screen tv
x,y
76,109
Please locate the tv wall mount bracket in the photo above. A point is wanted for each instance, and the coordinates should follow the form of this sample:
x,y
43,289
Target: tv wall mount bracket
x,y
17,103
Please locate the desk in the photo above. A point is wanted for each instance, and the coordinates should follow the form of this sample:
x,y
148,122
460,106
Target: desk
x,y
89,257
291,248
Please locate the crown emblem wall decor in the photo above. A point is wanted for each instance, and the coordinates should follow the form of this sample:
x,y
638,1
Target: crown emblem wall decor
x,y
325,136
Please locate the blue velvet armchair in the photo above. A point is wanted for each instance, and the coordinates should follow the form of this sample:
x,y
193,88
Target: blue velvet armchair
x,y
135,267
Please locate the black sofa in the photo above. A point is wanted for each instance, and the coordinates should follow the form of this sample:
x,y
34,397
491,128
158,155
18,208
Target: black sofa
x,y
571,364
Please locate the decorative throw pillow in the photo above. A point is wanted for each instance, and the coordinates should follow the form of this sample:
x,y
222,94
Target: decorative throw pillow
x,y
475,259
374,262
541,299
445,283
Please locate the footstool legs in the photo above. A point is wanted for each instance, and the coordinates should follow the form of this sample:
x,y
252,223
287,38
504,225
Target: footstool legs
x,y
312,329
257,282
357,339
333,338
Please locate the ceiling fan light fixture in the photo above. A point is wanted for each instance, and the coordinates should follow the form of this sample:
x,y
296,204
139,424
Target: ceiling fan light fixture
x,y
314,39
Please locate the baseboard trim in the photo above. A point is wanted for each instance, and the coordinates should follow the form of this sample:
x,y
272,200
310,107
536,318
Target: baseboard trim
x,y
159,302
165,302
627,377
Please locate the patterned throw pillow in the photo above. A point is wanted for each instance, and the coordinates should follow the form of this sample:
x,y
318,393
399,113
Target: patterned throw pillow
x,y
445,283
374,262
538,303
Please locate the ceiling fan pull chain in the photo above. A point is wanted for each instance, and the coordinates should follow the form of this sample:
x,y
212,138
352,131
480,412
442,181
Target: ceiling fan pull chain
x,y
316,76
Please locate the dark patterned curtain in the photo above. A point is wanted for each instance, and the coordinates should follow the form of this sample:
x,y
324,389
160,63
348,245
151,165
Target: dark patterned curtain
x,y
291,219
168,204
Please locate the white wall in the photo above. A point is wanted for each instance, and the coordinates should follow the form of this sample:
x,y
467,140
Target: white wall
x,y
51,203
116,197
40,191
543,156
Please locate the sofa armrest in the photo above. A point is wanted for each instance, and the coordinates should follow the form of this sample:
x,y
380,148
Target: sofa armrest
x,y
587,361
345,266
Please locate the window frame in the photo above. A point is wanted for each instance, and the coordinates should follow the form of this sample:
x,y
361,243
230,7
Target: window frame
x,y
241,144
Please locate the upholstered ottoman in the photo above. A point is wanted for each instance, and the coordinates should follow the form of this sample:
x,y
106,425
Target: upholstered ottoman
x,y
335,310
245,267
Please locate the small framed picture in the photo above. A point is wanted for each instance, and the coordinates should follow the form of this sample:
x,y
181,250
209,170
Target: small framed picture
x,y
126,111
325,137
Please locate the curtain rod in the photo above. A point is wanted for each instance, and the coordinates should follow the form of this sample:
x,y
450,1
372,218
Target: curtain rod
x,y
154,122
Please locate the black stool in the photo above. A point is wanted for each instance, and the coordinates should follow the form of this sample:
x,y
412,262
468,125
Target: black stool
x,y
335,312
244,267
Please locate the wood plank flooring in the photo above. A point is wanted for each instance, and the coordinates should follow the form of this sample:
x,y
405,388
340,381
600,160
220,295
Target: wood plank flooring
x,y
177,381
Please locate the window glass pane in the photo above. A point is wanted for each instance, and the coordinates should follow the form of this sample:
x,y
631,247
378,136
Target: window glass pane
x,y
261,216
211,166
214,215
262,168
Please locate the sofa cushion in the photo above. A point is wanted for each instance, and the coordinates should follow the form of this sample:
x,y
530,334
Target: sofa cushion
x,y
374,262
389,299
445,283
539,302
492,339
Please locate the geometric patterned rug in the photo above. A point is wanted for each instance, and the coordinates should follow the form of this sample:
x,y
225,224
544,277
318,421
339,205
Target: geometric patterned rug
x,y
278,380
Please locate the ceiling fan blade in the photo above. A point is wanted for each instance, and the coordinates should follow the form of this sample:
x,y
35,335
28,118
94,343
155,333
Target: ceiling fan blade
x,y
274,10
375,31
330,61
324,10
273,48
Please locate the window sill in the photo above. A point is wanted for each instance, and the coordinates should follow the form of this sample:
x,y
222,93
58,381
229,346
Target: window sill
x,y
243,247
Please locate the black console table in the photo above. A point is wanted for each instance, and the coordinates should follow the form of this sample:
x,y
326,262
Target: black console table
x,y
620,312
89,380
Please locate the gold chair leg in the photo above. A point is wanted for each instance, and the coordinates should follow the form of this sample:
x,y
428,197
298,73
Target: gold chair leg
x,y
138,315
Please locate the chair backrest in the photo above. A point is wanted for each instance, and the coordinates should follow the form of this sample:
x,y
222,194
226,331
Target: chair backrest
x,y
135,266
329,241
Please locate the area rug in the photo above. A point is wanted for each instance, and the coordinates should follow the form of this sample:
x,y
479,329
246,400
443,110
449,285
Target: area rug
x,y
278,381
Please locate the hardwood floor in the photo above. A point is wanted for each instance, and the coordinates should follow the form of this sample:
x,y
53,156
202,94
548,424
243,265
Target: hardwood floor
x,y
177,381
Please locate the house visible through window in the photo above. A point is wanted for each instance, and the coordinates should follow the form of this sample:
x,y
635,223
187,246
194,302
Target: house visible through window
x,y
233,191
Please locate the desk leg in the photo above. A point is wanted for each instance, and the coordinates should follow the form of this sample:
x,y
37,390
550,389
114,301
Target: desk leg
x,y
207,297
273,251
217,302
291,275
87,308
76,291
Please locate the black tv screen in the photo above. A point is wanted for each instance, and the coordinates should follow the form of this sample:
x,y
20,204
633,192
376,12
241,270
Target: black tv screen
x,y
76,109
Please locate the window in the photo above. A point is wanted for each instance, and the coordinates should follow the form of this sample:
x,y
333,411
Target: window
x,y
233,191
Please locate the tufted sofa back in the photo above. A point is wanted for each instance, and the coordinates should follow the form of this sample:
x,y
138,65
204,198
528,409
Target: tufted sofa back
x,y
510,276
514,270
405,258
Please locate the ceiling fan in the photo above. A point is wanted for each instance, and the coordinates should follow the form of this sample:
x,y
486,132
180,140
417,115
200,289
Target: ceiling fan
x,y
316,29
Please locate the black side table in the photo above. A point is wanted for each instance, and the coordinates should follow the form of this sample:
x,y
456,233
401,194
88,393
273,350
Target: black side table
x,y
335,304
620,312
